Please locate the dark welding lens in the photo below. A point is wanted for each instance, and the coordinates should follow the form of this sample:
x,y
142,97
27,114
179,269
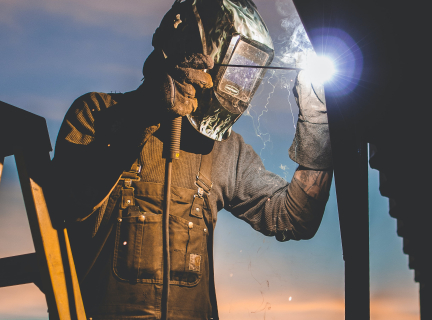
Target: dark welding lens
x,y
240,82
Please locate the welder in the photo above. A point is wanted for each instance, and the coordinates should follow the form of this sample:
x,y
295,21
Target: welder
x,y
110,155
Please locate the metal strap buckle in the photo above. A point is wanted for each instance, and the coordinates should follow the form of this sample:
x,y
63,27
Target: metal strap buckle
x,y
200,192
202,179
128,180
127,183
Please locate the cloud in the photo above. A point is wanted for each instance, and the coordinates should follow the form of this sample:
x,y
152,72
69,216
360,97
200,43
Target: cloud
x,y
134,17
114,69
7,16
51,108
48,107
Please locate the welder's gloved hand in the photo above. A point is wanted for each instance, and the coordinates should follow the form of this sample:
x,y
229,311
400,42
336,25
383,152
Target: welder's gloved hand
x,y
311,146
172,83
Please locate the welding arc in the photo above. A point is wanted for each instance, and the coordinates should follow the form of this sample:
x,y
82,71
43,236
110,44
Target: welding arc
x,y
256,67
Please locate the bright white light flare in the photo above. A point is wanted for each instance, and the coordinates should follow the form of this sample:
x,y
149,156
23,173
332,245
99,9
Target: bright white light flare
x,y
319,69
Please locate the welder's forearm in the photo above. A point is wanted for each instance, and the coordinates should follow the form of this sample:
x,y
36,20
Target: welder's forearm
x,y
305,201
315,183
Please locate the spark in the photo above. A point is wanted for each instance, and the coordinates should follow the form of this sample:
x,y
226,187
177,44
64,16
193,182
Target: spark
x,y
287,86
276,79
265,137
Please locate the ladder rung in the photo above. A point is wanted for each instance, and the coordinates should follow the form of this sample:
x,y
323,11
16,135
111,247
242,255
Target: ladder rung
x,y
19,270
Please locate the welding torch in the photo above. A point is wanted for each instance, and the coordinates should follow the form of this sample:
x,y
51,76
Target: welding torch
x,y
256,67
320,69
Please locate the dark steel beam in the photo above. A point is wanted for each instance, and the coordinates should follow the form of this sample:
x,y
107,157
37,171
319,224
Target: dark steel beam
x,y
425,298
19,270
19,127
346,114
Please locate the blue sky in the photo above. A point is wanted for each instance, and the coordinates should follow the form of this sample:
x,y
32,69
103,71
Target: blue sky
x,y
52,52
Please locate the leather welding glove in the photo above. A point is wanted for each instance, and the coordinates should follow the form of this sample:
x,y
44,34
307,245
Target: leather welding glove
x,y
173,82
311,146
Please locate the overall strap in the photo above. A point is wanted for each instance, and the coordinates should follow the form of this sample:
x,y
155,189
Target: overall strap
x,y
203,178
127,191
204,184
104,223
125,182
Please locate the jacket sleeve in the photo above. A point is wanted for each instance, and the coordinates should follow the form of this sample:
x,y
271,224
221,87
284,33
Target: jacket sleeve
x,y
266,201
99,138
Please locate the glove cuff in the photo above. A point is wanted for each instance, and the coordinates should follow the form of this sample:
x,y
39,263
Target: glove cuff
x,y
311,146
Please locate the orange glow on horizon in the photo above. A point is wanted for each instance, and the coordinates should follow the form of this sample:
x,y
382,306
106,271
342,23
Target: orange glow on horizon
x,y
331,309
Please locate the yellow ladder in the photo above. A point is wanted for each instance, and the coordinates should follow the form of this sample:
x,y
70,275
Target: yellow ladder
x,y
25,135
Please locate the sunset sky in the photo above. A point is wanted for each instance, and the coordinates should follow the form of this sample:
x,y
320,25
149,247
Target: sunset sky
x,y
54,51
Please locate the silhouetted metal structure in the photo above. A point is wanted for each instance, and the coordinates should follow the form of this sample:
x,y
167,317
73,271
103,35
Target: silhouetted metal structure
x,y
385,108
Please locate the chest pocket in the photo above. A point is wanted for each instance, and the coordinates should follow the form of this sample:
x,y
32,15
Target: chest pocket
x,y
138,243
138,246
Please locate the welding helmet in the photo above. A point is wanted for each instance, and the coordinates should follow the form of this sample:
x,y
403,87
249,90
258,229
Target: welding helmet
x,y
232,32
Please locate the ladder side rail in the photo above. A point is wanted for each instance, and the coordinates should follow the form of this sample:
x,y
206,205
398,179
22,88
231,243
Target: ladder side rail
x,y
56,268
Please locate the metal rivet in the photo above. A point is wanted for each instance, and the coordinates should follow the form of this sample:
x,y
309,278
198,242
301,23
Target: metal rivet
x,y
190,225
128,201
119,220
205,230
196,209
141,218
125,243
